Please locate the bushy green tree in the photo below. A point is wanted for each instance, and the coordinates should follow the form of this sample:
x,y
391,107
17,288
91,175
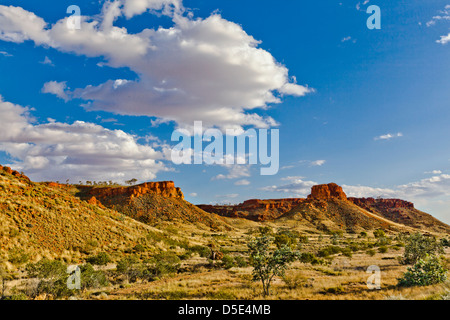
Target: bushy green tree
x,y
268,263
426,271
419,246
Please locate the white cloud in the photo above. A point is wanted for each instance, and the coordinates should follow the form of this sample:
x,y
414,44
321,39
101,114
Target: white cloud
x,y
79,151
297,188
434,172
18,25
199,69
243,182
56,88
193,194
318,163
345,39
235,171
48,61
5,54
136,7
444,39
389,136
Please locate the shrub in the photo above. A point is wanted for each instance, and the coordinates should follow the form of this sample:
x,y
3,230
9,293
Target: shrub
x,y
228,262
327,251
363,234
100,259
18,256
202,251
308,257
130,267
371,252
427,271
419,246
383,249
91,278
379,233
52,277
139,248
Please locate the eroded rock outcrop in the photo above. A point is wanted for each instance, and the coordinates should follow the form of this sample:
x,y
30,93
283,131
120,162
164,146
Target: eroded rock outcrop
x,y
255,209
165,188
386,203
327,192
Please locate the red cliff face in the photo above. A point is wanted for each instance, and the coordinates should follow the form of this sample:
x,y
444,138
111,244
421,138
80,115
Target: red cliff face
x,y
166,189
382,203
327,192
255,209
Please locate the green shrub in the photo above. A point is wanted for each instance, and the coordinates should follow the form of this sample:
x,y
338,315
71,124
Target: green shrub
x,y
91,278
371,252
308,257
419,246
100,259
202,251
139,248
228,262
383,249
327,251
427,271
18,256
379,233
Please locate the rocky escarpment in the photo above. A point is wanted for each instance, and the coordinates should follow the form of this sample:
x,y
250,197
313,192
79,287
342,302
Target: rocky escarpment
x,y
150,203
401,211
110,195
255,209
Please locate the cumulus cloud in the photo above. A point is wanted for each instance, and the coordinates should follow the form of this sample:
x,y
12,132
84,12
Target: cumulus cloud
x,y
235,171
389,136
56,88
199,69
79,151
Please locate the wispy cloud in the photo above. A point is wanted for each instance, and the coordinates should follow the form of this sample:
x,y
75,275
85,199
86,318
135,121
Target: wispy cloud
x,y
389,136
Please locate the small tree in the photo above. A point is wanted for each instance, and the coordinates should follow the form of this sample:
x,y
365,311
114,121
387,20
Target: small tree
x,y
426,271
131,182
419,246
268,264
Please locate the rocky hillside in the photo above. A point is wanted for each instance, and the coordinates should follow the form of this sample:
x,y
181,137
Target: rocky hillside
x,y
256,210
401,211
150,203
328,208
42,219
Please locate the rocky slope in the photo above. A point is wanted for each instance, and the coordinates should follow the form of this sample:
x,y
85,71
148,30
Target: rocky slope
x,y
401,211
256,210
328,208
150,203
41,219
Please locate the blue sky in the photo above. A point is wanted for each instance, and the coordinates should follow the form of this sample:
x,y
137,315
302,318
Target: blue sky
x,y
367,109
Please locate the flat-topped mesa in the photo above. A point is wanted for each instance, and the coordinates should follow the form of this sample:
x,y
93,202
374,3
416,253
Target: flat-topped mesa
x,y
386,203
164,188
327,192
